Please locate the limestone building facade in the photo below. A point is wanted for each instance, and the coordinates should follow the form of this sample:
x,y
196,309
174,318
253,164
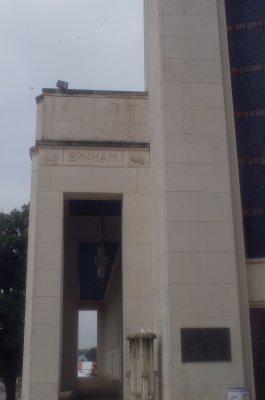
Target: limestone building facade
x,y
136,212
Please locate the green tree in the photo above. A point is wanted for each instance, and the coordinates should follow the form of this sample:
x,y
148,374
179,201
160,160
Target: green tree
x,y
13,245
90,354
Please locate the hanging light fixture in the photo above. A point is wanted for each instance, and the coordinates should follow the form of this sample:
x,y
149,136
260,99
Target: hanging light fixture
x,y
101,259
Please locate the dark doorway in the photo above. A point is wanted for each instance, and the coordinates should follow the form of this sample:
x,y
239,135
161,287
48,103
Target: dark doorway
x,y
92,283
257,321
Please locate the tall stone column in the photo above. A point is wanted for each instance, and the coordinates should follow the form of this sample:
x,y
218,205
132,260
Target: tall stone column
x,y
44,274
194,251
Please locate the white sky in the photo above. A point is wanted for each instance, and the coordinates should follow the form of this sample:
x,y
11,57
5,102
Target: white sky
x,y
92,44
87,329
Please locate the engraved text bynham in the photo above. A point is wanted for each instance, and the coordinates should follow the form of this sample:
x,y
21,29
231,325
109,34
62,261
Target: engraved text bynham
x,y
93,157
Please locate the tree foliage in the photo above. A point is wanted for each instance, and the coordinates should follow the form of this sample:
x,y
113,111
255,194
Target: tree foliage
x,y
90,354
13,245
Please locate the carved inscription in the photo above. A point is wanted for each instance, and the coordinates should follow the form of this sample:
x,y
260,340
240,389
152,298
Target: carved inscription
x,y
103,158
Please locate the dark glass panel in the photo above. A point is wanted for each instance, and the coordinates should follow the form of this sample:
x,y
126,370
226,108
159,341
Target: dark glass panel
x,y
252,180
247,47
255,236
238,11
250,136
242,85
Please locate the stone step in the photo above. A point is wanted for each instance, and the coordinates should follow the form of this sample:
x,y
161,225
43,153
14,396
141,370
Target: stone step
x,y
90,397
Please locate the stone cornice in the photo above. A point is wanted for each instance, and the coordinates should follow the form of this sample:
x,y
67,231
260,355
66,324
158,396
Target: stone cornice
x,y
91,93
110,144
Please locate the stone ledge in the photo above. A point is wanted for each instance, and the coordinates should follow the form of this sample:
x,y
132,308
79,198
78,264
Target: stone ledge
x,y
91,93
88,143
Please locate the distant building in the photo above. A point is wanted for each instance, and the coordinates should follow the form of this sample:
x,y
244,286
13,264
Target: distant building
x,y
150,209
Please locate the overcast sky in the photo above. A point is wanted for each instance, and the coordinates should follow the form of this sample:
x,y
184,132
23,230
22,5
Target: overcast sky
x,y
92,44
87,329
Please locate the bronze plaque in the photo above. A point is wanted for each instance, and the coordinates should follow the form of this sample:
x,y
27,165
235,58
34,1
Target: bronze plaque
x,y
205,345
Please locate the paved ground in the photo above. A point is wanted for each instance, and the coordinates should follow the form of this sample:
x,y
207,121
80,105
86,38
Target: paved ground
x,y
98,386
102,387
